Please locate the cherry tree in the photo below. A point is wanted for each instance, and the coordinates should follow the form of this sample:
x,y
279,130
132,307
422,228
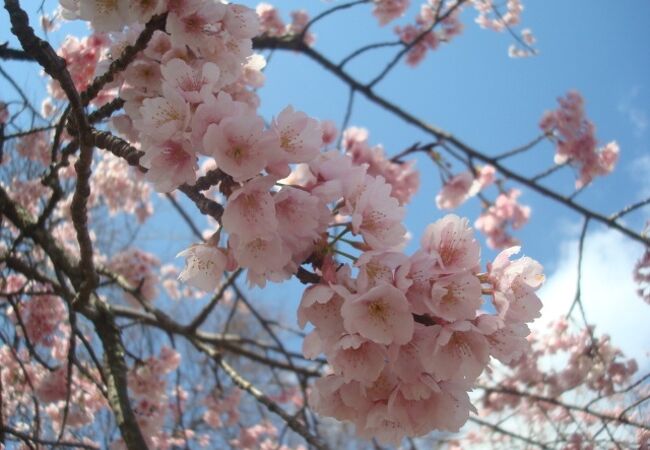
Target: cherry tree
x,y
156,117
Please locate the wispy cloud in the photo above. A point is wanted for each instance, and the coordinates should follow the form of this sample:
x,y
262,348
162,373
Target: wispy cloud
x,y
637,116
608,291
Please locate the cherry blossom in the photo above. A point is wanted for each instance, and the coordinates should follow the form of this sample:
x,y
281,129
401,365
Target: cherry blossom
x,y
204,266
380,315
575,140
239,145
388,10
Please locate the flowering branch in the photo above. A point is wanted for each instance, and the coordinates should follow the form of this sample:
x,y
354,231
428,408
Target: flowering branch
x,y
265,42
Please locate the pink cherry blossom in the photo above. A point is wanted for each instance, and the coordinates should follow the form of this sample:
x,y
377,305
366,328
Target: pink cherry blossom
x,y
212,111
54,386
261,253
137,268
204,266
451,242
402,176
642,276
170,163
43,316
456,191
381,315
456,297
515,283
458,353
195,26
377,215
356,358
299,137
575,138
321,306
388,10
379,268
250,210
270,21
164,117
102,14
239,145
194,84
241,22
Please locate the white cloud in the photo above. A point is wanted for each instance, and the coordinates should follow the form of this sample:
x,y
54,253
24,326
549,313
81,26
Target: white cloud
x,y
608,291
637,116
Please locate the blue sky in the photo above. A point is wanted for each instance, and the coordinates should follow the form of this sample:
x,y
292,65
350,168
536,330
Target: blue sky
x,y
474,90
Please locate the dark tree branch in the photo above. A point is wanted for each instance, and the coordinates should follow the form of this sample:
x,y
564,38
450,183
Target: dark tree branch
x,y
14,54
116,370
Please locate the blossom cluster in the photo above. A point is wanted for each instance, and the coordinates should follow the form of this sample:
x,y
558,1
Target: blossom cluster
x,y
404,335
82,57
388,10
561,361
488,18
575,138
495,220
271,24
402,177
406,339
642,276
137,269
459,188
423,35
41,318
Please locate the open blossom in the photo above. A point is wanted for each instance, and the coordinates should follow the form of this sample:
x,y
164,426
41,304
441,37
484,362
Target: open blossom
x,y
377,267
299,139
241,22
164,117
321,306
357,358
103,15
193,84
195,25
261,253
377,215
456,191
456,297
381,315
250,210
460,352
515,285
451,243
239,145
212,111
204,266
170,163
463,186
